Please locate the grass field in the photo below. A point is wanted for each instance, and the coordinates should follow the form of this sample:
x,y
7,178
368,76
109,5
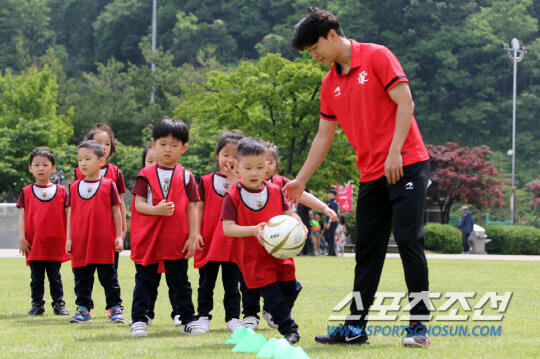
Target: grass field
x,y
325,280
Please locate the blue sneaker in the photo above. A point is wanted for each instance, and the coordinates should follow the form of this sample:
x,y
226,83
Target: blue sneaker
x,y
116,314
82,315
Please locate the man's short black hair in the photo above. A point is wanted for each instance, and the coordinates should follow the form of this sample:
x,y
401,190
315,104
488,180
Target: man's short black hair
x,y
314,25
169,126
42,152
250,146
94,146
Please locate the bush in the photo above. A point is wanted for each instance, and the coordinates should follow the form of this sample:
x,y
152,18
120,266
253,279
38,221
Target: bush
x,y
442,238
513,239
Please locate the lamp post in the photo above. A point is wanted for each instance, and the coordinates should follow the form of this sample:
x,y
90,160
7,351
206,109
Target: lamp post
x,y
154,35
516,55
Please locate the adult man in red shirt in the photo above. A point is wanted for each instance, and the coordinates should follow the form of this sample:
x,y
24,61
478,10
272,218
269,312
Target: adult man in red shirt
x,y
367,93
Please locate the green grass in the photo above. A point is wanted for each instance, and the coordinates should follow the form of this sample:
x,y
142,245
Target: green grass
x,y
325,281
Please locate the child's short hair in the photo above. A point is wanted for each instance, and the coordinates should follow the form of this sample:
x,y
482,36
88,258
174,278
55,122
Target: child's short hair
x,y
42,152
101,127
272,148
314,25
144,152
250,146
169,126
94,146
341,220
232,136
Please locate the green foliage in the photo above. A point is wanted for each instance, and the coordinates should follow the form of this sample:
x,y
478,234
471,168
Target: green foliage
x,y
128,159
277,100
513,239
28,119
442,238
25,32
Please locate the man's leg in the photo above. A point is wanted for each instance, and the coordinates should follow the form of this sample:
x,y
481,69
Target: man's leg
x,y
330,235
373,218
408,225
465,241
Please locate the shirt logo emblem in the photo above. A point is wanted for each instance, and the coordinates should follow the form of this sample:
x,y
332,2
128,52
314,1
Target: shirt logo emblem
x,y
259,204
337,91
362,77
409,185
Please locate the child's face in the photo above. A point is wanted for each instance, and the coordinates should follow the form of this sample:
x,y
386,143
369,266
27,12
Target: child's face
x,y
272,164
168,150
317,216
89,162
252,169
151,157
41,168
227,155
104,139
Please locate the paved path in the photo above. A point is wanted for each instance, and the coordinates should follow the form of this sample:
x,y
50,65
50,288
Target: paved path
x,y
14,253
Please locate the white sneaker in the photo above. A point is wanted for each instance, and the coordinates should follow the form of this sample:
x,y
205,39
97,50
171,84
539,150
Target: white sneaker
x,y
251,322
149,321
268,318
176,321
192,328
204,323
234,324
138,329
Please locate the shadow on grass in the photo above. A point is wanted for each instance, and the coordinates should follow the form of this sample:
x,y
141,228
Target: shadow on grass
x,y
36,322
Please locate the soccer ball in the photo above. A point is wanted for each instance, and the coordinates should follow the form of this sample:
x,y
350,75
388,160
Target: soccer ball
x,y
283,236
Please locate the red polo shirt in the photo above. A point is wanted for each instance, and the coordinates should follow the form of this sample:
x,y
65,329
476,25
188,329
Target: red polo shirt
x,y
360,102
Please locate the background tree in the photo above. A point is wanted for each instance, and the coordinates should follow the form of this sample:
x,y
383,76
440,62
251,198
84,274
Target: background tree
x,y
28,119
534,187
277,100
462,174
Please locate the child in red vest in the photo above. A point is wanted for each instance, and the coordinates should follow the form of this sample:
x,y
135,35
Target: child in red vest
x,y
216,248
247,206
104,135
163,229
42,231
251,298
94,233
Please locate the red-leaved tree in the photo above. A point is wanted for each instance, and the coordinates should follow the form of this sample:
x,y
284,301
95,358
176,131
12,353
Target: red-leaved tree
x,y
534,187
462,174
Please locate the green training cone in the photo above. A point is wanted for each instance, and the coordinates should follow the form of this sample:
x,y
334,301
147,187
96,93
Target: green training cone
x,y
267,350
298,353
238,335
282,349
251,343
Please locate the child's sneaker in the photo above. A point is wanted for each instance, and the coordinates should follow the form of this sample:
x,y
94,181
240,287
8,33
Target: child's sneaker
x,y
108,315
138,329
204,323
251,321
268,318
116,314
234,324
292,337
82,315
192,328
59,308
37,309
176,321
